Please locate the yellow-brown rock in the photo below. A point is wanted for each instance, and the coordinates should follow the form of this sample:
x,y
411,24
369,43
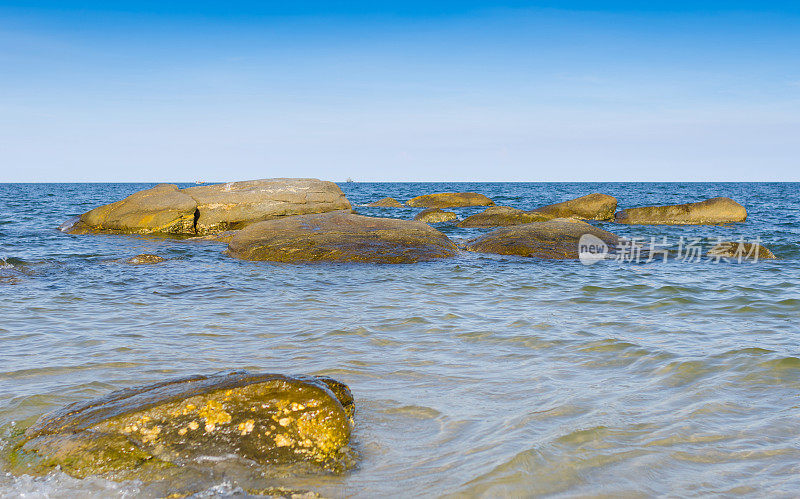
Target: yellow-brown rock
x,y
266,418
708,212
450,200
553,239
340,237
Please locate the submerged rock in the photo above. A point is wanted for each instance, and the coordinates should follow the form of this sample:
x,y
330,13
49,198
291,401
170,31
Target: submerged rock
x,y
145,259
266,418
340,237
235,205
711,211
450,200
209,209
164,209
740,250
386,203
594,206
503,216
435,216
553,239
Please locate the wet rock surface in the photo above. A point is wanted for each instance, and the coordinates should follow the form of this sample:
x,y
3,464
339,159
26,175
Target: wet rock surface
x,y
435,216
266,418
553,239
341,237
449,200
711,211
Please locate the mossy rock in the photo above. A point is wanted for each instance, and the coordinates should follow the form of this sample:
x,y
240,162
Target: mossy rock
x,y
594,206
502,216
708,212
210,209
740,251
450,200
340,237
270,419
553,239
435,216
386,203
164,209
145,259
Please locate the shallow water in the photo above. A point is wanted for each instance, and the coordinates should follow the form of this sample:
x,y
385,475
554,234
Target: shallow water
x,y
474,376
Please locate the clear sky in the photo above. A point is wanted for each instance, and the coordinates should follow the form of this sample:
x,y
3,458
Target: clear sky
x,y
399,91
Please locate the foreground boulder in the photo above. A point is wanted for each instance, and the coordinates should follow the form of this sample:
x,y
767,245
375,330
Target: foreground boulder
x,y
741,251
235,205
386,203
209,209
164,209
435,216
450,200
266,418
590,207
710,211
502,216
553,239
340,237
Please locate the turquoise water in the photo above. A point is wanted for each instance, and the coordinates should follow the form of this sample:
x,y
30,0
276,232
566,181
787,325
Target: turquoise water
x,y
480,375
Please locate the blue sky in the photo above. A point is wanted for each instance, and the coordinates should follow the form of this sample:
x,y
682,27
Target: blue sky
x,y
396,91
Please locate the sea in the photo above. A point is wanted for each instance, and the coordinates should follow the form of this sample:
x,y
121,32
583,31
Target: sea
x,y
476,376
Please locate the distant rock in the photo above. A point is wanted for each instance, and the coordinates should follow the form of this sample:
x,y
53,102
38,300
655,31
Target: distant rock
x,y
435,216
145,259
502,216
590,207
209,209
265,418
450,200
164,209
235,205
386,203
708,212
340,237
553,239
740,250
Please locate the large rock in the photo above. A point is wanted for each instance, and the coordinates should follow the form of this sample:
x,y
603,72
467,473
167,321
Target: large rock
x,y
711,211
164,209
590,207
234,205
450,200
209,209
340,237
386,203
265,418
553,239
502,216
435,216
